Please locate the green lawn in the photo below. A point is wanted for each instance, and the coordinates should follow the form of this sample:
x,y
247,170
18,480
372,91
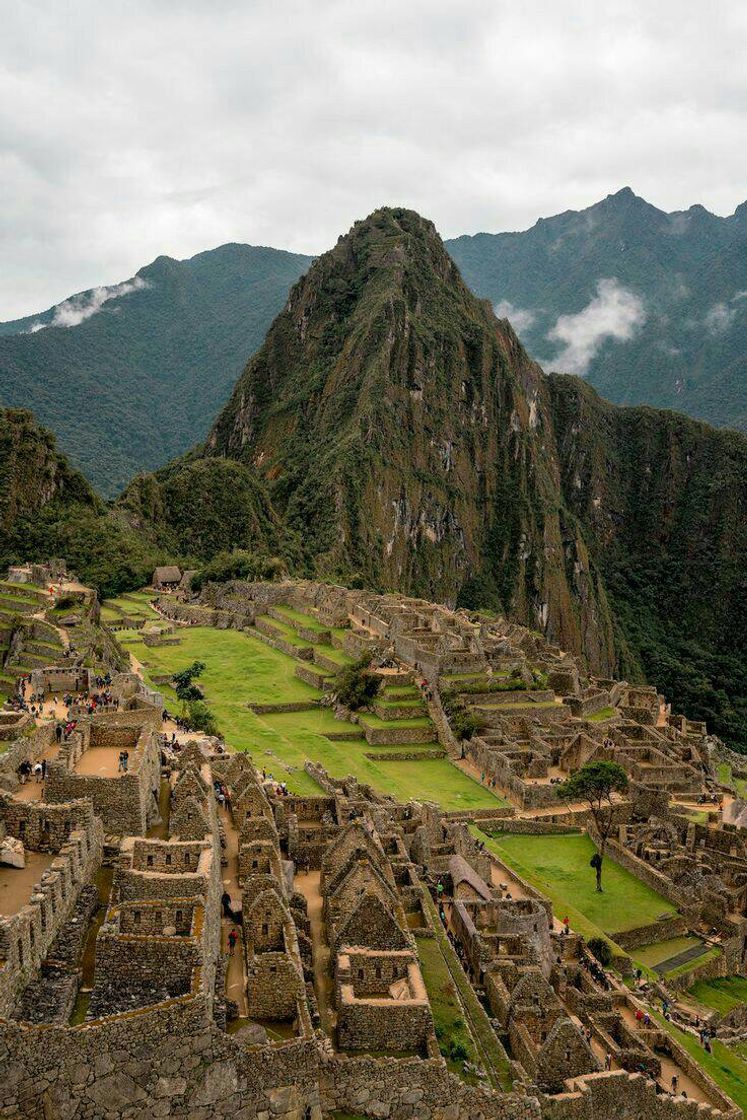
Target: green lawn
x,y
299,618
727,1068
559,867
722,995
651,955
602,714
373,721
240,669
448,1017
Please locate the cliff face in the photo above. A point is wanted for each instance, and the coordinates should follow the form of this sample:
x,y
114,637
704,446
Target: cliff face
x,y
662,504
33,475
403,433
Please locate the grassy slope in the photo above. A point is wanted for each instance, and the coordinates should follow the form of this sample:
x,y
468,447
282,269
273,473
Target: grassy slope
x,y
241,670
559,867
722,994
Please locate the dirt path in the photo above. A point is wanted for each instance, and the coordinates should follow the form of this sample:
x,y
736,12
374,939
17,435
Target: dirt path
x,y
236,973
16,882
307,883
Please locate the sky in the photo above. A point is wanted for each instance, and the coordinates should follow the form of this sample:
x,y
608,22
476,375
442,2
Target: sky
x,y
133,128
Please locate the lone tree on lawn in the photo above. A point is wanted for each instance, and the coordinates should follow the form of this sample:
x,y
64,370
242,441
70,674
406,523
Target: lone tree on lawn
x,y
185,690
594,783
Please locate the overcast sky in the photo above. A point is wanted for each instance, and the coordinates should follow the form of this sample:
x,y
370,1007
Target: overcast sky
x,y
131,128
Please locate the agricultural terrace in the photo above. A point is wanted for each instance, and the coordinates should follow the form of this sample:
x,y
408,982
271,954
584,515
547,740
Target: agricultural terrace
x,y
242,670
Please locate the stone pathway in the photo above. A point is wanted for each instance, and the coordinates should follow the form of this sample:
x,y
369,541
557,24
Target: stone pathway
x,y
236,972
307,883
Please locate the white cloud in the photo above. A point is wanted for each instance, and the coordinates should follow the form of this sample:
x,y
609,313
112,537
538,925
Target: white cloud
x,y
614,312
719,318
520,317
78,308
133,129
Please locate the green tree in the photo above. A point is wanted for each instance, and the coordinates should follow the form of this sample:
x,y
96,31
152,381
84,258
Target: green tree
x,y
186,691
355,686
595,783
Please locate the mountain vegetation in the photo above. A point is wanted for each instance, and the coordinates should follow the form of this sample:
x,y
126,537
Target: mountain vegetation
x,y
139,381
47,508
400,437
392,433
668,327
650,307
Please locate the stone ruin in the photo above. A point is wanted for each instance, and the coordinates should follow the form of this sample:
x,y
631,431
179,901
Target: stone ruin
x,y
121,995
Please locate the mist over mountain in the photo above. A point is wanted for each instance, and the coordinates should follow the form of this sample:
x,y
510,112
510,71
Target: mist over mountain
x,y
133,374
649,307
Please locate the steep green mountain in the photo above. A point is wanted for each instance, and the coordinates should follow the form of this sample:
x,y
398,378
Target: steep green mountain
x,y
650,307
196,508
663,504
143,368
403,434
49,509
398,427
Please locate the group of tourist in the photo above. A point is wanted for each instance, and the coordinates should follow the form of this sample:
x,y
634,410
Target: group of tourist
x,y
222,794
595,970
280,789
27,768
124,762
63,731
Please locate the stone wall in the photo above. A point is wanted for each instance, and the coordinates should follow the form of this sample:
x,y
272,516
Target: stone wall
x,y
25,937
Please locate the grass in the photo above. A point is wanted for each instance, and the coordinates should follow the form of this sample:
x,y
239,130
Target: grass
x,y
726,778
721,995
491,1054
651,955
299,618
370,720
448,1020
559,867
727,1068
602,714
240,670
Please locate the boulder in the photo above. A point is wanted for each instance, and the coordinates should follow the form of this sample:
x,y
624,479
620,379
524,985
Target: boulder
x,y
11,852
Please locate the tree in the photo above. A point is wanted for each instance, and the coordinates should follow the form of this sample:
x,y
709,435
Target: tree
x,y
355,686
185,690
595,783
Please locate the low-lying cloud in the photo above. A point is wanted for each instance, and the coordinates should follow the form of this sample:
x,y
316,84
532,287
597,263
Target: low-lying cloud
x,y
78,308
520,317
614,312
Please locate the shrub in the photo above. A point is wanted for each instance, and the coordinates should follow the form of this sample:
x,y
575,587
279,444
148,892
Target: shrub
x,y
601,950
200,718
355,686
238,564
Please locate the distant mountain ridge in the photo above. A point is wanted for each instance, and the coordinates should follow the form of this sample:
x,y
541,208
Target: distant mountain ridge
x,y
139,381
649,307
668,326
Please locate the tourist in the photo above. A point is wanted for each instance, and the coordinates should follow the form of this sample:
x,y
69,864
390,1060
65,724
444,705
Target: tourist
x,y
232,939
125,760
120,761
566,925
675,1083
44,769
58,733
608,1061
225,901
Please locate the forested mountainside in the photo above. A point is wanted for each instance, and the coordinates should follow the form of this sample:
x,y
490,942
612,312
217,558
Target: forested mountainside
x,y
402,437
47,508
132,375
650,307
